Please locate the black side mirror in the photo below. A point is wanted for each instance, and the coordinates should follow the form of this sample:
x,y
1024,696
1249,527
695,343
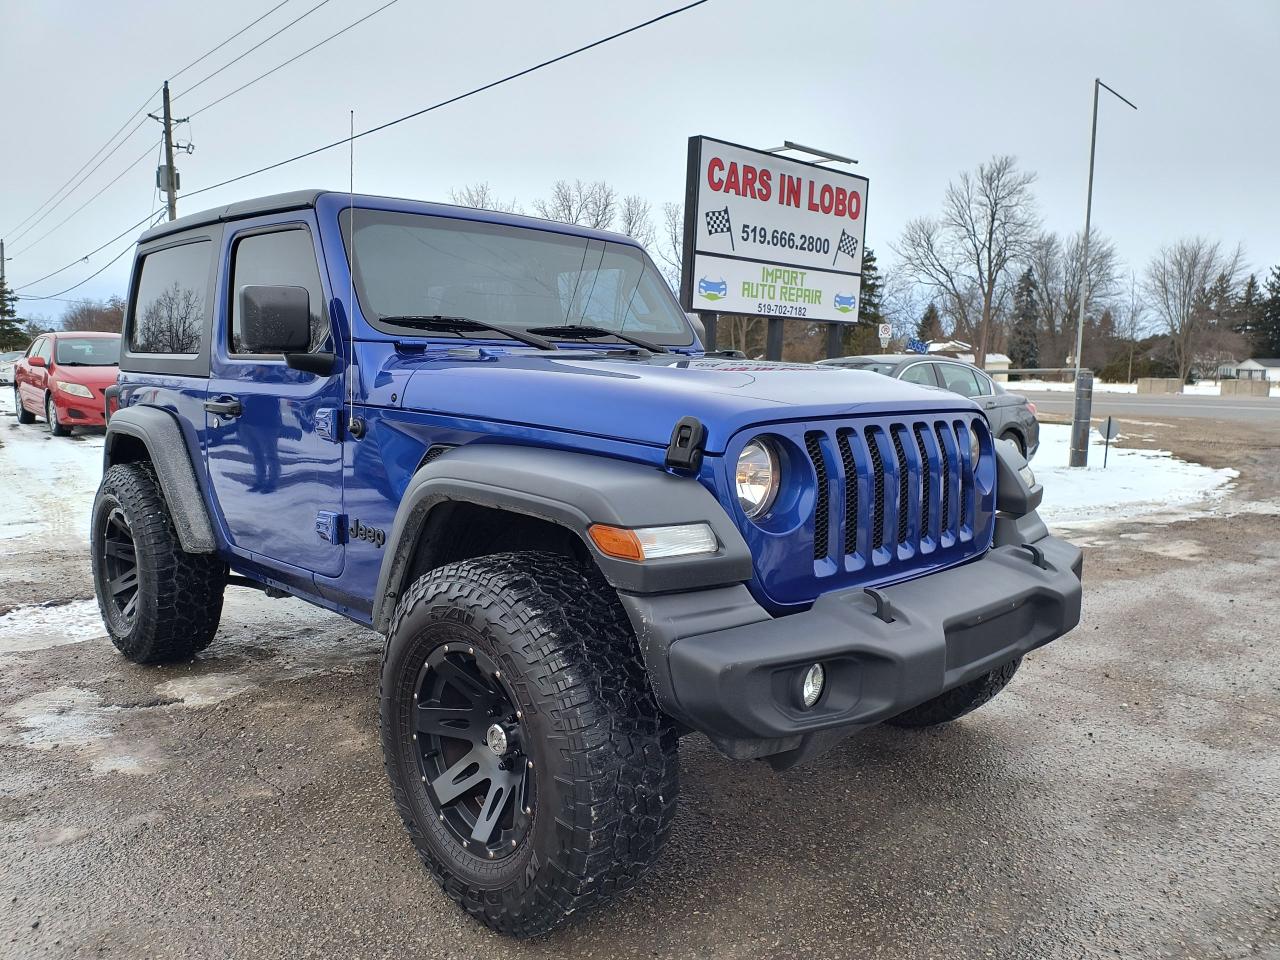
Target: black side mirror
x,y
274,319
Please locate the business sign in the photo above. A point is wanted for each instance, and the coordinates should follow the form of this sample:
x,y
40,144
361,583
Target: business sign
x,y
771,236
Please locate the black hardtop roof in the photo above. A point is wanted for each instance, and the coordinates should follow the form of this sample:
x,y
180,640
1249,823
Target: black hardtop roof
x,y
276,203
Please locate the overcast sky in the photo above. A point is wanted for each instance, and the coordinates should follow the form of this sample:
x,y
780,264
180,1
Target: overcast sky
x,y
915,91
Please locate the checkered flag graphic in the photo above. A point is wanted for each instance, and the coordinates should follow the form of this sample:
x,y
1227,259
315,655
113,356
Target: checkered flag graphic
x,y
848,244
718,222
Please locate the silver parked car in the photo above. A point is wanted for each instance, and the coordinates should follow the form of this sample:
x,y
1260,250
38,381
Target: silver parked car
x,y
1011,415
7,363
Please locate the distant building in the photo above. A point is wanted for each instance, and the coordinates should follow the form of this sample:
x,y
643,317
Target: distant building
x,y
1259,368
996,363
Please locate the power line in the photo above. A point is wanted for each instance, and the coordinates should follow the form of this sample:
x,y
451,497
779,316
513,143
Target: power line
x,y
332,36
123,251
110,183
253,48
452,100
242,30
384,126
20,226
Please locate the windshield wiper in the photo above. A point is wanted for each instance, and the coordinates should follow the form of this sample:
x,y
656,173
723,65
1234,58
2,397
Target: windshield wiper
x,y
571,331
445,324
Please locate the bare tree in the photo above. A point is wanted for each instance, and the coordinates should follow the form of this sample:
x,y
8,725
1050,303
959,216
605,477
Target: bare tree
x,y
1056,267
635,220
593,204
102,315
1178,285
987,224
670,245
1130,321
483,197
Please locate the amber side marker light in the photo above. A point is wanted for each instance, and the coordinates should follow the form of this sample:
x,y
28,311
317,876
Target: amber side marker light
x,y
653,543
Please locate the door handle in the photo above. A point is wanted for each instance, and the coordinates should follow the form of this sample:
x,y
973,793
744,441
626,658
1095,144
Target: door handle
x,y
224,407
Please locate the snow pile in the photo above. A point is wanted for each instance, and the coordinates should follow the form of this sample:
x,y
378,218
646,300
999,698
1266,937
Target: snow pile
x,y
36,628
48,482
1134,482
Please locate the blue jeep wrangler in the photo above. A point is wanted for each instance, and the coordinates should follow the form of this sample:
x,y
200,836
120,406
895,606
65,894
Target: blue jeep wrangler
x,y
499,442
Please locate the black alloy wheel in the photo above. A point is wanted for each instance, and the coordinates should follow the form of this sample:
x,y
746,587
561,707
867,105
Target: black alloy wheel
x,y
119,561
471,752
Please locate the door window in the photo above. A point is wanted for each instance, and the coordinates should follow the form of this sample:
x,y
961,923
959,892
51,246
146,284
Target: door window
x,y
958,379
169,312
920,373
284,258
46,349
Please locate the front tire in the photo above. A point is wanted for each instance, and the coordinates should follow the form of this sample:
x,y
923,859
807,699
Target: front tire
x,y
956,702
580,799
24,415
1013,437
51,418
160,604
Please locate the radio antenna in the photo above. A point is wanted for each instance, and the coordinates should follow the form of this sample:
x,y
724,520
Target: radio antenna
x,y
351,270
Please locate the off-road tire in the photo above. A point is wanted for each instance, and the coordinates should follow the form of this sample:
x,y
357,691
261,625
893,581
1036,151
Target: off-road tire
x,y
604,756
958,701
51,418
179,594
24,415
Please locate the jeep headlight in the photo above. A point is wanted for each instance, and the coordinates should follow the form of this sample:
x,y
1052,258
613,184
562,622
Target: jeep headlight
x,y
75,389
756,477
975,448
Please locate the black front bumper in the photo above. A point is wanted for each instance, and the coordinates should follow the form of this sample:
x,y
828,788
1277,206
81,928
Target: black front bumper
x,y
723,666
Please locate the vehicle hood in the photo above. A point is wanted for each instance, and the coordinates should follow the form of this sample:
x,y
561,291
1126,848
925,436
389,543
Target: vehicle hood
x,y
95,377
643,400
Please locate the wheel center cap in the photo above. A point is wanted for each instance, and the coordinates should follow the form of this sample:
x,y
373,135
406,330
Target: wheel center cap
x,y
496,738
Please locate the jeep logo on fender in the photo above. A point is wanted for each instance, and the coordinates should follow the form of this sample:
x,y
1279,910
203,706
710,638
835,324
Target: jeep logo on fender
x,y
374,535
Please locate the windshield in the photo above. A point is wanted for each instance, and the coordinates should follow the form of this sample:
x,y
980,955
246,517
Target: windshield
x,y
89,351
409,264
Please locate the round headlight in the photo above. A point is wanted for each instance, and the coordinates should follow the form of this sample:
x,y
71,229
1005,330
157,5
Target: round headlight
x,y
757,478
975,447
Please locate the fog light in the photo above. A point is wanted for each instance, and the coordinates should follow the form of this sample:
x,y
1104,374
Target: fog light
x,y
811,689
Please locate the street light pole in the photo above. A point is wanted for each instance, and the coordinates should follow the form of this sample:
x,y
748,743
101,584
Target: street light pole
x,y
1080,423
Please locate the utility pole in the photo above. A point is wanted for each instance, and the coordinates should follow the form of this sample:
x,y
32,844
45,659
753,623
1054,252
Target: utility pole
x,y
171,175
1084,391
1,263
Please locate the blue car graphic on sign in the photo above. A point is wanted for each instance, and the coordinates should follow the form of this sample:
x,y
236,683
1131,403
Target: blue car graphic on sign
x,y
712,289
846,302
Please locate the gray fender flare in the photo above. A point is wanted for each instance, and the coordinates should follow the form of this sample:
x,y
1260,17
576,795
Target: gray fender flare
x,y
159,432
573,490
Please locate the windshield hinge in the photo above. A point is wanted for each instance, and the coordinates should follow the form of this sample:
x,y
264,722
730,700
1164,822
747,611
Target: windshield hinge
x,y
688,439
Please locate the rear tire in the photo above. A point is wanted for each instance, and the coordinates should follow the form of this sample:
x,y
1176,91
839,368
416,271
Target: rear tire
x,y
589,780
51,418
955,703
160,604
24,415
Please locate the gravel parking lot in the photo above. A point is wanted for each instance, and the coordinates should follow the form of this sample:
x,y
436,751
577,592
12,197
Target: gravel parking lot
x,y
1121,798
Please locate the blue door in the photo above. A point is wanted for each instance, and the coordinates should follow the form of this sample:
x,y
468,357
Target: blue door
x,y
273,456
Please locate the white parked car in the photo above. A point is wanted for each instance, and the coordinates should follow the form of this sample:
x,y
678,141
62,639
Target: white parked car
x,y
7,362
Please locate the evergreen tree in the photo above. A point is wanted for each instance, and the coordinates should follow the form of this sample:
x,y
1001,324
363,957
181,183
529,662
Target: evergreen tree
x,y
870,309
1024,339
930,325
1246,313
1267,337
11,336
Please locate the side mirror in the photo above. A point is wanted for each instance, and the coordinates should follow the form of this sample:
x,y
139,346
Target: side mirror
x,y
699,327
274,319
37,361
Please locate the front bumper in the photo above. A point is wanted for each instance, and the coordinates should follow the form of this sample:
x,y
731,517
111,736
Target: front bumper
x,y
80,411
722,666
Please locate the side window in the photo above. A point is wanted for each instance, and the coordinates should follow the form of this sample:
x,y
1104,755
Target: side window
x,y
169,310
984,384
920,373
34,349
959,379
46,349
284,258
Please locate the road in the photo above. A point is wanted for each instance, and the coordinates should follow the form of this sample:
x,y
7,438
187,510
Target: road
x,y
1120,798
1253,410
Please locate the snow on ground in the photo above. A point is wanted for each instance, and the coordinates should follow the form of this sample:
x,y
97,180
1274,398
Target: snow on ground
x,y
1205,388
48,481
40,627
1135,482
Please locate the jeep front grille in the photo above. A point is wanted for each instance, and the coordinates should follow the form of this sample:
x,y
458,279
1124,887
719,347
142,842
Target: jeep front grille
x,y
890,492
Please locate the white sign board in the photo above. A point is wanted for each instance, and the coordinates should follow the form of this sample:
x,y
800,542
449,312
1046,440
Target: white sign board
x,y
771,236
886,332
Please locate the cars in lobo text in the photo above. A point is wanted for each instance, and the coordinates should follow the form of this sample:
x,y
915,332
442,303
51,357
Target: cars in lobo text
x,y
582,537
1012,416
63,378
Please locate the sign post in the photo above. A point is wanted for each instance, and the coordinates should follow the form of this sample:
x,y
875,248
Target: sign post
x,y
886,334
771,237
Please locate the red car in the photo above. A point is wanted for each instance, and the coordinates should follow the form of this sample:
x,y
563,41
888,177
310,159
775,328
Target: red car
x,y
62,378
